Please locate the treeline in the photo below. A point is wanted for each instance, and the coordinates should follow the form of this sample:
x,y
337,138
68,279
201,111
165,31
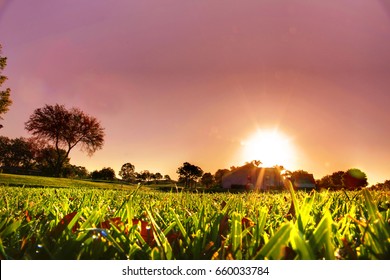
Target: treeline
x,y
352,179
190,176
129,175
29,156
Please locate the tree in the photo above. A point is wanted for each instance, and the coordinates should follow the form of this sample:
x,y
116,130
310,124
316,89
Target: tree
x,y
16,155
325,182
47,159
75,171
4,150
28,156
382,186
332,182
127,172
337,179
95,175
189,173
207,179
107,173
22,152
158,176
354,179
254,162
145,175
219,174
65,129
297,174
5,100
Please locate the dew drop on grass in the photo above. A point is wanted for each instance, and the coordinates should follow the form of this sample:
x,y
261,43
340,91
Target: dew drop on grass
x,y
39,247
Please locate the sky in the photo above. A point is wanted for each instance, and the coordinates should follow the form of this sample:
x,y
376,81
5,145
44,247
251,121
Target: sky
x,y
175,81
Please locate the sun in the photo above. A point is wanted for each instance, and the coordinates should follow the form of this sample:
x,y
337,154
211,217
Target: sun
x,y
271,147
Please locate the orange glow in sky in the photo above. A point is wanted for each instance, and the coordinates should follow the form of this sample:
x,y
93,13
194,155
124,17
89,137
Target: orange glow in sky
x,y
303,84
271,147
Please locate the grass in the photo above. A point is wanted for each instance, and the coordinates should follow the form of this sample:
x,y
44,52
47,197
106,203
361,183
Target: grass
x,y
51,182
136,223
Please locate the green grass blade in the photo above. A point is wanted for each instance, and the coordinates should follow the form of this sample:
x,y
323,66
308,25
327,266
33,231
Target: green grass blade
x,y
294,199
300,245
186,238
161,239
236,235
12,228
272,250
321,237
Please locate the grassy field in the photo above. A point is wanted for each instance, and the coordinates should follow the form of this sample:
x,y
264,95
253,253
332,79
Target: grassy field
x,y
50,182
75,220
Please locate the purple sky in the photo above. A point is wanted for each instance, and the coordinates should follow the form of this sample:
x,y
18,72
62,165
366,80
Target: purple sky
x,y
174,81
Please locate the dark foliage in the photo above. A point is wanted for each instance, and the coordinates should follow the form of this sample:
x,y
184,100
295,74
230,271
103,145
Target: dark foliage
x,y
65,129
107,174
189,174
5,100
127,172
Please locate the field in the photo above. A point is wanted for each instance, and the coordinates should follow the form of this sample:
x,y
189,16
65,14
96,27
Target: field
x,y
50,182
44,218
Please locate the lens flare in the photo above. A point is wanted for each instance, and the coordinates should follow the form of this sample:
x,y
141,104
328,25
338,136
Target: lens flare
x,y
271,147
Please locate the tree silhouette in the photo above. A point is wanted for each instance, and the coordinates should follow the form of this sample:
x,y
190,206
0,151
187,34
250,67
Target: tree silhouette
x,y
5,100
337,179
16,154
107,173
158,176
294,175
189,173
146,175
207,180
127,172
219,174
354,179
47,159
254,162
65,129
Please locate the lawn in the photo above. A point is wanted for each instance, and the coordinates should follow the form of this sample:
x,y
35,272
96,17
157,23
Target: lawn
x,y
70,219
51,182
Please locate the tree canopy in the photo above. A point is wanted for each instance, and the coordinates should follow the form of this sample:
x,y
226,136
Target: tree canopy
x,y
106,173
207,180
5,100
354,179
28,156
219,174
127,171
332,182
189,173
65,129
